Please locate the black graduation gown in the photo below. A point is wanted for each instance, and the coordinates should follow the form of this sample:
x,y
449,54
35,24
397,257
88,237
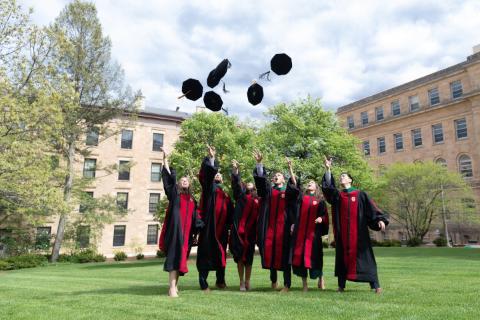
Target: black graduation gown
x,y
277,214
244,227
352,214
179,227
307,247
216,213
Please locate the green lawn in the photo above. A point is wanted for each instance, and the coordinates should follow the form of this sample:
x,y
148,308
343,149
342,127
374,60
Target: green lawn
x,y
419,283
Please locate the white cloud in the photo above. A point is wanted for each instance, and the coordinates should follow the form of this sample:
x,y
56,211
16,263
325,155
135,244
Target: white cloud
x,y
341,51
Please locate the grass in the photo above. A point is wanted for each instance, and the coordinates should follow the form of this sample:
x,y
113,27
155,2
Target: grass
x,y
419,283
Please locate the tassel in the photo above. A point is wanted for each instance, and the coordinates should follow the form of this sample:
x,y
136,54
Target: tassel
x,y
265,75
225,89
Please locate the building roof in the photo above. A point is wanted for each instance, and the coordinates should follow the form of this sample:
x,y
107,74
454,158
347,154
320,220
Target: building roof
x,y
403,87
159,113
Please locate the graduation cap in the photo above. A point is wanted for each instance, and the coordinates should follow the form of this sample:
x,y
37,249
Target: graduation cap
x,y
255,94
212,101
281,64
218,73
192,89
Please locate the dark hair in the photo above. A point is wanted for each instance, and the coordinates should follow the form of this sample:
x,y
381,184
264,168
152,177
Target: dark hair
x,y
348,174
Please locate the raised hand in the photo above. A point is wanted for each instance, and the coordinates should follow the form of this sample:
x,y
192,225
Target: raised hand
x,y
327,162
211,151
258,156
235,166
289,163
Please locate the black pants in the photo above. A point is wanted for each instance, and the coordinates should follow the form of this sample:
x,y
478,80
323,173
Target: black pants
x,y
287,276
203,275
373,284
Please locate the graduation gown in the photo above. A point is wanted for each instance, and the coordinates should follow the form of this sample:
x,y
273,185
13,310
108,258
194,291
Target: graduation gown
x,y
216,213
275,219
178,230
307,247
353,213
244,228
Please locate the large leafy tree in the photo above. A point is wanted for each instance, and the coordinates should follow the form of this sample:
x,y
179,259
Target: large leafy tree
x,y
93,93
29,119
418,195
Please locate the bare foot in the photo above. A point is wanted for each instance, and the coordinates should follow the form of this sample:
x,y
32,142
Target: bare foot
x,y
378,291
274,285
247,285
321,283
341,290
305,289
172,293
242,286
206,290
284,290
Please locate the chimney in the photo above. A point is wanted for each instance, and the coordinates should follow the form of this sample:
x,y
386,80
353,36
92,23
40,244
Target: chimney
x,y
476,49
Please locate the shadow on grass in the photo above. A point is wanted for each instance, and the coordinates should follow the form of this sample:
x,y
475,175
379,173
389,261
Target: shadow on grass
x,y
124,265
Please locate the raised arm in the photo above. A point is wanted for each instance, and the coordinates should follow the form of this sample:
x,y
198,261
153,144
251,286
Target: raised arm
x,y
208,170
329,188
236,181
168,178
260,176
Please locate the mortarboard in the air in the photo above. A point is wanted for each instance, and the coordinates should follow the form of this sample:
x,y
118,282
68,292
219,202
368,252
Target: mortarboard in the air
x,y
255,94
218,73
192,89
212,101
281,64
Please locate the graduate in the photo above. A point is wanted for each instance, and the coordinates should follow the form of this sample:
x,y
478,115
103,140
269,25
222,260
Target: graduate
x,y
244,227
311,224
353,213
216,212
179,227
277,215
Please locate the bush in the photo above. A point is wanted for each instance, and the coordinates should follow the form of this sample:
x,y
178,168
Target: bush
x,y
324,244
120,256
440,242
414,242
386,243
23,261
140,256
160,254
87,255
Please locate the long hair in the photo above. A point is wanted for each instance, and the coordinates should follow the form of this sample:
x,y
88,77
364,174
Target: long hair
x,y
318,192
253,192
182,190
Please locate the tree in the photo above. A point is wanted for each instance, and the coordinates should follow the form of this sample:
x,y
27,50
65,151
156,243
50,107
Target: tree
x,y
30,117
416,194
305,132
93,93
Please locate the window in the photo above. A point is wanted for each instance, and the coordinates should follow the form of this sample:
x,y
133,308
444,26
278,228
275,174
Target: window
x,y
157,141
152,234
395,108
465,166
381,145
350,122
379,113
456,89
119,236
364,117
414,103
434,96
92,137
366,148
85,200
127,137
156,172
417,137
153,202
441,162
124,170
83,236
42,239
398,139
437,133
461,128
89,167
122,200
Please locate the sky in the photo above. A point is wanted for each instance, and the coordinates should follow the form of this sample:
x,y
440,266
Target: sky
x,y
342,51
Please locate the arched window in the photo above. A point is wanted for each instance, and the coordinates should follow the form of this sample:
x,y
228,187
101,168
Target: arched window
x,y
441,162
465,166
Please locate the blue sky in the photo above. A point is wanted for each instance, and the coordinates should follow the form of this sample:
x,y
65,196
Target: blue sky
x,y
342,51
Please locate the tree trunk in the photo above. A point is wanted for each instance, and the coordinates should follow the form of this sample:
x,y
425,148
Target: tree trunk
x,y
67,194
